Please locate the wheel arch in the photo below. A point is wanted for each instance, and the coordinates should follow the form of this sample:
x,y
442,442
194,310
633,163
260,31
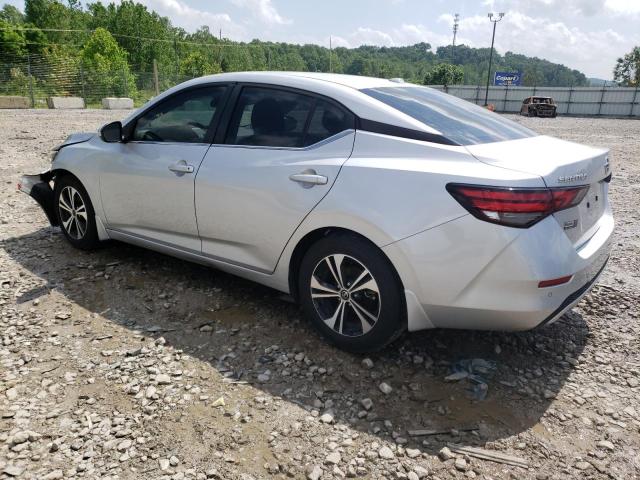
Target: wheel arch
x,y
312,237
100,226
63,172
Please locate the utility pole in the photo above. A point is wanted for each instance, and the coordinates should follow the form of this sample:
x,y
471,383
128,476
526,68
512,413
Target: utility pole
x,y
330,54
456,24
156,83
493,20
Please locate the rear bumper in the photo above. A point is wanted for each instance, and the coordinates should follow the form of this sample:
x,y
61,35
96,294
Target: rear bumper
x,y
474,275
38,188
546,113
573,299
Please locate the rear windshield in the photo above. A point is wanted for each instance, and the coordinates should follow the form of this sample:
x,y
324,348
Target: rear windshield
x,y
456,119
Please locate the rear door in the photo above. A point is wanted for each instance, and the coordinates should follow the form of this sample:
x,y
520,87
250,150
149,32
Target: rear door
x,y
279,157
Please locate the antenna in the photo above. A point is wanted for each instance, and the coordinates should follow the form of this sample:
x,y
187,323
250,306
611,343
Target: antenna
x,y
456,25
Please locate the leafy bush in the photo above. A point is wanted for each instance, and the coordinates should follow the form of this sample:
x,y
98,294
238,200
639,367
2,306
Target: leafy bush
x,y
105,68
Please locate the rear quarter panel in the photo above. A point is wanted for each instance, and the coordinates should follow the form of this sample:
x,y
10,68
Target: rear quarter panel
x,y
397,186
392,188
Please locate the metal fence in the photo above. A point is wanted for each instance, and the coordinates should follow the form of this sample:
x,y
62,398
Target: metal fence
x,y
37,78
580,101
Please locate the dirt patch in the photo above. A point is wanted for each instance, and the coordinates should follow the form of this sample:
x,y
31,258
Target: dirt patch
x,y
114,362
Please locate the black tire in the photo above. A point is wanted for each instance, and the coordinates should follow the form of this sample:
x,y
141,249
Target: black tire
x,y
348,331
85,234
533,112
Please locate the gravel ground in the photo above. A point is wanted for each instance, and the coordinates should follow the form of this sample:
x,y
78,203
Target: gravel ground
x,y
127,364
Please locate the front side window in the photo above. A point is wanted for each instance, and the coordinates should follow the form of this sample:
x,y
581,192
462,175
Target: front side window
x,y
183,118
457,120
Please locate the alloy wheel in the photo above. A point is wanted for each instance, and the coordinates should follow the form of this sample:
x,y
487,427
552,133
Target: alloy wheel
x,y
73,213
345,295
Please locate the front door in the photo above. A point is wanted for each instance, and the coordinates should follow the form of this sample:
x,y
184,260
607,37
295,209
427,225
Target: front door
x,y
147,186
281,154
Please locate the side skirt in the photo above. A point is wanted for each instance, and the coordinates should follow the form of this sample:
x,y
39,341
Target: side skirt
x,y
262,277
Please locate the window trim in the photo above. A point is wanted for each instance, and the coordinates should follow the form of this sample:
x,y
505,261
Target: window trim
x,y
401,132
313,146
221,134
130,126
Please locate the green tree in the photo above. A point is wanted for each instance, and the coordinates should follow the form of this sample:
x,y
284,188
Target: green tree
x,y
12,41
444,74
63,42
105,67
196,65
145,35
12,15
627,69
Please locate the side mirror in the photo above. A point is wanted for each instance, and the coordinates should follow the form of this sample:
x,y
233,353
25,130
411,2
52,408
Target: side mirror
x,y
111,132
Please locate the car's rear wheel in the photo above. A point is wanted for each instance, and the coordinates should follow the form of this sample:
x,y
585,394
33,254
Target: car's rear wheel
x,y
75,213
351,293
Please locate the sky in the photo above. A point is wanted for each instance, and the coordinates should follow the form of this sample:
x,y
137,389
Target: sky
x,y
588,35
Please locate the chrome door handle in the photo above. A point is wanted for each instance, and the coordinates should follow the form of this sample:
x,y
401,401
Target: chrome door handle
x,y
181,167
309,178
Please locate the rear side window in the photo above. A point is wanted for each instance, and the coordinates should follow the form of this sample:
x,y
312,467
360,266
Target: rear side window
x,y
457,120
183,118
328,119
269,117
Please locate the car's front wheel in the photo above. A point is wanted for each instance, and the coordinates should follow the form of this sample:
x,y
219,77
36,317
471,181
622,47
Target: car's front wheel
x,y
75,213
351,293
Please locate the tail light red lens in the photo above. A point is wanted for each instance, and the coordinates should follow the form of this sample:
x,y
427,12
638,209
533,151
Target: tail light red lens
x,y
555,282
515,207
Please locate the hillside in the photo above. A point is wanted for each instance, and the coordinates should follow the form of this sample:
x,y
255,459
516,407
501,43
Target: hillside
x,y
142,36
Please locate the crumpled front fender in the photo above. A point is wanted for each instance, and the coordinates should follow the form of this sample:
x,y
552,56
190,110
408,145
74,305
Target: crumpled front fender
x,y
39,188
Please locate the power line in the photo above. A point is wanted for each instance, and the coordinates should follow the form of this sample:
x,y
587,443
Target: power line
x,y
132,37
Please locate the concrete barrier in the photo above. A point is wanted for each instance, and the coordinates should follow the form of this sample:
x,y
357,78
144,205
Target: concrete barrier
x,y
65,103
14,102
113,103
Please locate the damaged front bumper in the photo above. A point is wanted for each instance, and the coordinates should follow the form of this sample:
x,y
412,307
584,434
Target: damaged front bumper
x,y
39,188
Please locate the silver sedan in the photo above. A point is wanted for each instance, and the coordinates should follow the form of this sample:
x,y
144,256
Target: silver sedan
x,y
379,205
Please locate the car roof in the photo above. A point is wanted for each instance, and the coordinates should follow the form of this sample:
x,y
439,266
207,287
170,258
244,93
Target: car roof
x,y
352,81
345,89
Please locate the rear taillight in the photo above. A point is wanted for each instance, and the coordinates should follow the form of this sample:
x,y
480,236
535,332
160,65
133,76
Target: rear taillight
x,y
515,207
555,282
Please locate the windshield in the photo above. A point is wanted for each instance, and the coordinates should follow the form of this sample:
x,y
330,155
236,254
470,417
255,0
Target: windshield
x,y
456,119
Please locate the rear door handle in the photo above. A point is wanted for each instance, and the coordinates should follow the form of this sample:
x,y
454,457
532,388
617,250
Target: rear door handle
x,y
181,167
309,178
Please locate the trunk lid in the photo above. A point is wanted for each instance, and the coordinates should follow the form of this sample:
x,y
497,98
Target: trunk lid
x,y
560,164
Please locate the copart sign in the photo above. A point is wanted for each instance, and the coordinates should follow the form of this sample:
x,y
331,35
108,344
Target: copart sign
x,y
508,78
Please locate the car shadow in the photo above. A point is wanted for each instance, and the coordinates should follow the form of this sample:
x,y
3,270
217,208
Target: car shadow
x,y
244,330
